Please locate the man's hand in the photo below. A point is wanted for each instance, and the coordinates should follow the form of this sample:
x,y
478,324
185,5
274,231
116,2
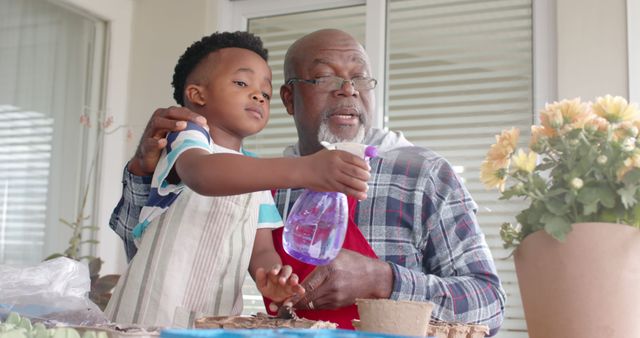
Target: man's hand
x,y
153,140
349,276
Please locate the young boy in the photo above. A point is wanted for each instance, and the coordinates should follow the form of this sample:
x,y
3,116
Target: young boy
x,y
209,205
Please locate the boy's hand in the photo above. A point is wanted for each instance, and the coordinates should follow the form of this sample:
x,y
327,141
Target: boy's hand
x,y
337,170
279,283
153,140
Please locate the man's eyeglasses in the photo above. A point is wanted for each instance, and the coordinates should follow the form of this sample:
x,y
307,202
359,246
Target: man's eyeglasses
x,y
331,83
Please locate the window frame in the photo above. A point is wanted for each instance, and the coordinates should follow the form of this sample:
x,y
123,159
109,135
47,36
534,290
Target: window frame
x,y
118,15
545,52
633,47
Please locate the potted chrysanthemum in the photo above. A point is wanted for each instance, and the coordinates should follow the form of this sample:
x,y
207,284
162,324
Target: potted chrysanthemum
x,y
577,243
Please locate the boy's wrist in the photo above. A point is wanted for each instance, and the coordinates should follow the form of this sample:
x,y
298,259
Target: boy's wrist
x,y
300,170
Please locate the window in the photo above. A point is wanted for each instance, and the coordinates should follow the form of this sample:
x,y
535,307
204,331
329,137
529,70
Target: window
x,y
51,63
459,72
451,74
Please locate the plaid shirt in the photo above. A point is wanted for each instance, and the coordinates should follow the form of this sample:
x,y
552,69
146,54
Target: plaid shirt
x,y
125,217
419,218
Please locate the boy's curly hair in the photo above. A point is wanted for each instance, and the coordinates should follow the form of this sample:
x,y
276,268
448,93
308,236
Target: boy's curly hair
x,y
208,44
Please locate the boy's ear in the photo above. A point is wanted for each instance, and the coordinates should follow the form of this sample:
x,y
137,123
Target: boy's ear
x,y
286,95
195,94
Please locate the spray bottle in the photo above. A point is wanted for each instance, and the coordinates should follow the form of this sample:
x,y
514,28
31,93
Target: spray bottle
x,y
315,228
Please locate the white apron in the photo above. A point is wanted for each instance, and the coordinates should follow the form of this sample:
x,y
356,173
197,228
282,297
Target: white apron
x,y
191,262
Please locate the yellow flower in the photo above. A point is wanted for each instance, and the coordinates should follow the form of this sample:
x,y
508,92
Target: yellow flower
x,y
598,123
505,145
551,118
615,109
624,130
525,162
494,175
569,114
540,132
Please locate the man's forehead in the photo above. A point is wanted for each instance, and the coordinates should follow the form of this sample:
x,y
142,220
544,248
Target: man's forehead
x,y
332,56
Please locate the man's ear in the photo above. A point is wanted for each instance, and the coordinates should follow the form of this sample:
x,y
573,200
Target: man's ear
x,y
195,94
286,95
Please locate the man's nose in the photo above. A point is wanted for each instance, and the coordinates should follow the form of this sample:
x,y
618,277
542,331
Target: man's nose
x,y
347,89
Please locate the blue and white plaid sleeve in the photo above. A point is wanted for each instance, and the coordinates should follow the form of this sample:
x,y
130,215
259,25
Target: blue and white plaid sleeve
x,y
135,192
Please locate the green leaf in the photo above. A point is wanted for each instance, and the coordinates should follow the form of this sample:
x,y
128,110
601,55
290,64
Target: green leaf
x,y
508,193
590,209
556,207
608,216
607,196
556,192
557,226
636,215
570,198
54,256
544,166
632,177
627,195
588,195
89,241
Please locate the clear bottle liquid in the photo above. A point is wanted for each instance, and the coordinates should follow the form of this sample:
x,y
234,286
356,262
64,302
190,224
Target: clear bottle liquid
x,y
315,229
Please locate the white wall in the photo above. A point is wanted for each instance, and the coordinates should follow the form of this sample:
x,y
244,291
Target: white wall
x,y
592,48
162,30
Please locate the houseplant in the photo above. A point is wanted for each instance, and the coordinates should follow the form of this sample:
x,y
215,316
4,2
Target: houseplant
x,y
577,240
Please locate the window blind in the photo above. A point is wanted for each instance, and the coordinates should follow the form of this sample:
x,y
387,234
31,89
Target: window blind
x,y
458,73
25,152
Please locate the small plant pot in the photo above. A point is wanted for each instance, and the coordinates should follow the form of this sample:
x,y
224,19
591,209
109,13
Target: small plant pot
x,y
394,317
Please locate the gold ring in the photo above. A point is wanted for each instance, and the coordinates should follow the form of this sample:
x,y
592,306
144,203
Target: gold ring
x,y
310,305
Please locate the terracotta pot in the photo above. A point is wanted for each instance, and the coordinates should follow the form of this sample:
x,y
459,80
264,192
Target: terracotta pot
x,y
588,286
395,317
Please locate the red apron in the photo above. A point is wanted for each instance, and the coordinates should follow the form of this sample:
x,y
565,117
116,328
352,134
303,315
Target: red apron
x,y
355,241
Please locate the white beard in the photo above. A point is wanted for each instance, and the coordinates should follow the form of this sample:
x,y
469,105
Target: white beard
x,y
324,134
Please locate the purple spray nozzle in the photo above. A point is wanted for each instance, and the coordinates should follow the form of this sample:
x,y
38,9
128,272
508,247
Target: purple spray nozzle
x,y
371,151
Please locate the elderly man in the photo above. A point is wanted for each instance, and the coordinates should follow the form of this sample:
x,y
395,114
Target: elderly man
x,y
415,237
